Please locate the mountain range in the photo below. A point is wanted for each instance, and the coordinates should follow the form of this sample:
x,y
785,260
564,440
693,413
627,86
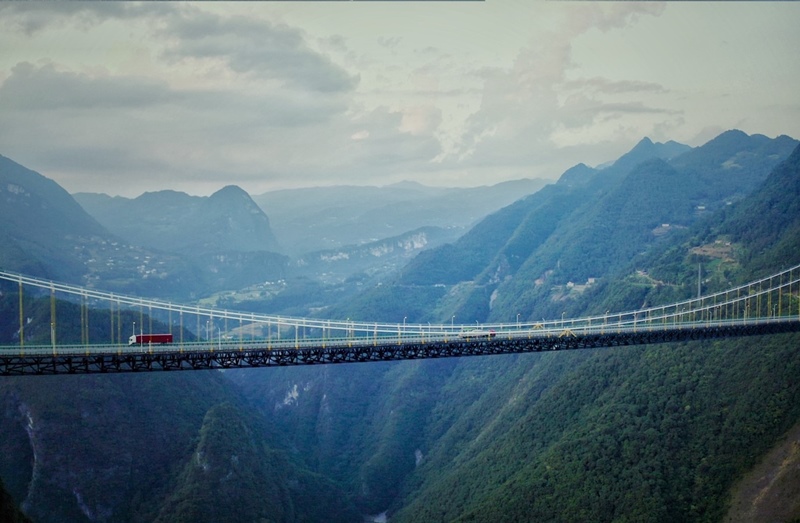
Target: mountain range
x,y
658,433
216,243
172,221
332,233
521,259
39,222
324,218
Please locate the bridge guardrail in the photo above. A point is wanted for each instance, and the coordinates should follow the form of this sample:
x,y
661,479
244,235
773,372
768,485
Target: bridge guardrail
x,y
417,338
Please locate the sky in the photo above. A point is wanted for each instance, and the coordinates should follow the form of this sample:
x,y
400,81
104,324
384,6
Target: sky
x,y
123,97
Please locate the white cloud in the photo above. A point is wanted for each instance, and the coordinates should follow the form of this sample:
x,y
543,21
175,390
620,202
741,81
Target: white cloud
x,y
35,17
125,97
251,46
45,88
420,120
524,110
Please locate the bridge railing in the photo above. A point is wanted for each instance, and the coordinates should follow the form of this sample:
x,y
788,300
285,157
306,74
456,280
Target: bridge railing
x,y
772,297
357,343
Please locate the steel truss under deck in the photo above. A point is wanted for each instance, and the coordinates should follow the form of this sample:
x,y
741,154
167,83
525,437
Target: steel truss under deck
x,y
17,365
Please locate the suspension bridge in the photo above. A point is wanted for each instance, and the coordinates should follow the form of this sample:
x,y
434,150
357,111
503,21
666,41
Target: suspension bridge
x,y
195,337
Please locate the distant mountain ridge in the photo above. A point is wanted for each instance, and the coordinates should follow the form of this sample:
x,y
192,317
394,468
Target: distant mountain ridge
x,y
171,221
646,149
39,221
351,220
320,218
375,259
45,232
588,223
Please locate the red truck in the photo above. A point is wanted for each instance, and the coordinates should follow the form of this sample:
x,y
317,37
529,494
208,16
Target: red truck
x,y
145,339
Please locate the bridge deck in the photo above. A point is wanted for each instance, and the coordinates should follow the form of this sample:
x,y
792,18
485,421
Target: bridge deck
x,y
115,359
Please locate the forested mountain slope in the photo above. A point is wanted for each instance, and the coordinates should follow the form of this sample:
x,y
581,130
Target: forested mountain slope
x,y
515,231
650,434
634,434
534,257
141,447
42,228
741,242
46,233
147,447
655,433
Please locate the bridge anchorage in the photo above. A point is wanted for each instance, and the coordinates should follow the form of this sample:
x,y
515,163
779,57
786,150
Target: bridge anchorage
x,y
197,337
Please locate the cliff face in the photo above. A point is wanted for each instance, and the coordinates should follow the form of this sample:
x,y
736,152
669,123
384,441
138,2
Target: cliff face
x,y
771,491
98,448
231,475
151,447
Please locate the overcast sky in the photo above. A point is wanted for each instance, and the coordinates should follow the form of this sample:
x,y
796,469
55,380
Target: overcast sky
x,y
124,98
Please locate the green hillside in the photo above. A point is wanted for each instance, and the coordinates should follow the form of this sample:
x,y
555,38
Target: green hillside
x,y
536,256
650,206
629,434
656,433
635,434
124,447
650,434
233,476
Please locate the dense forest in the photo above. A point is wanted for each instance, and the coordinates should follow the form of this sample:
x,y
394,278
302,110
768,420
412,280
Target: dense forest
x,y
658,433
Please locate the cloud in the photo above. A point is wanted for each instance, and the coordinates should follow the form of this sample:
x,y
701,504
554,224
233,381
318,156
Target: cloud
x,y
336,43
604,85
581,110
102,126
48,88
34,17
525,108
144,133
195,96
44,88
255,47
246,45
383,145
607,16
390,42
420,120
